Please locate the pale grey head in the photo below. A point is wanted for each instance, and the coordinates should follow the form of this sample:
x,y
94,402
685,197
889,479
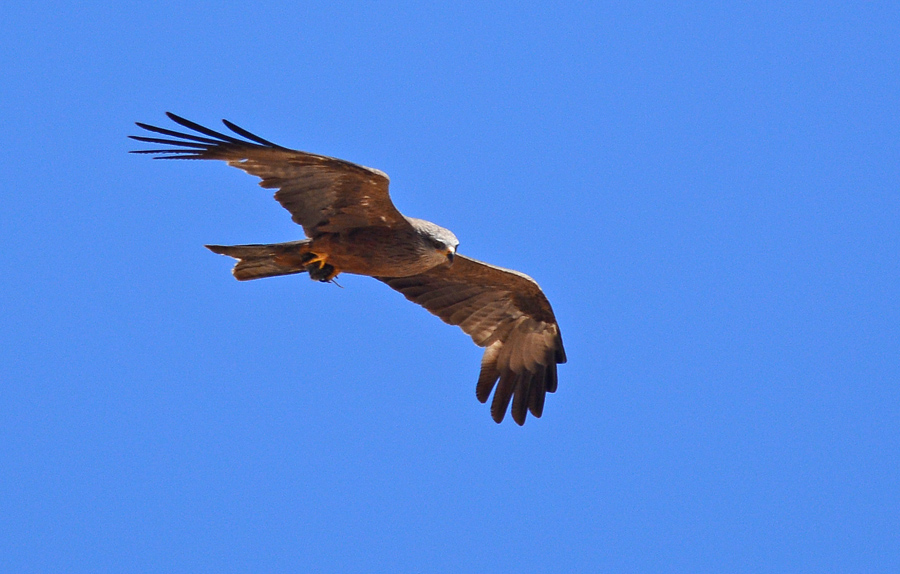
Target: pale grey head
x,y
441,239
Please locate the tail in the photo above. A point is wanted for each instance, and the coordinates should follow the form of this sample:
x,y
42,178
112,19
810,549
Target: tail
x,y
258,261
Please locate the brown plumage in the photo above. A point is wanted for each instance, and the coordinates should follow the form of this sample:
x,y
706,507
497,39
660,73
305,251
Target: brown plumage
x,y
504,311
352,226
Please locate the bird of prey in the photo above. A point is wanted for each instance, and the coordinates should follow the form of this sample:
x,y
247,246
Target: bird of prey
x,y
352,226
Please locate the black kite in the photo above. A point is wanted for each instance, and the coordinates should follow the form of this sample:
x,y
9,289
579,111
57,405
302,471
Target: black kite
x,y
353,227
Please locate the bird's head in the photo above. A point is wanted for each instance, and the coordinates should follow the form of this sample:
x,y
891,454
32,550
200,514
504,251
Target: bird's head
x,y
446,243
446,246
438,238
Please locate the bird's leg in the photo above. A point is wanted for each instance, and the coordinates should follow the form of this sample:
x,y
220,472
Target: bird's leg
x,y
312,259
318,267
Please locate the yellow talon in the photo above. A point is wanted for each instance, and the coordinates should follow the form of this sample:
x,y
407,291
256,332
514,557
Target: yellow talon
x,y
316,258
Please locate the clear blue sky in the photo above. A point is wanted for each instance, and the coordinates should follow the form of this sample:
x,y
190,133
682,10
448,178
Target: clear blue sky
x,y
708,194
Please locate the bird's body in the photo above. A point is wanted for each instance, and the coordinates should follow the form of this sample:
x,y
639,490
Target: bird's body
x,y
374,251
397,252
353,227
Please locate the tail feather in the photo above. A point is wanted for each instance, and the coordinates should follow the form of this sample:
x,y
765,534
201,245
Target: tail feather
x,y
258,261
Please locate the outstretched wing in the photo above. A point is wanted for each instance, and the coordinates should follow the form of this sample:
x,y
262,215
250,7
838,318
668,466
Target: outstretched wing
x,y
322,193
504,311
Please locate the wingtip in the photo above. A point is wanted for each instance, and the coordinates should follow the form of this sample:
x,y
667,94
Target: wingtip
x,y
249,135
560,355
519,419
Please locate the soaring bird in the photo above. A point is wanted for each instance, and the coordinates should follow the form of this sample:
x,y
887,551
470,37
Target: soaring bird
x,y
352,226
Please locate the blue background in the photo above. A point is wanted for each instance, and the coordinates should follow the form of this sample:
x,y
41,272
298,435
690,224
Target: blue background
x,y
707,193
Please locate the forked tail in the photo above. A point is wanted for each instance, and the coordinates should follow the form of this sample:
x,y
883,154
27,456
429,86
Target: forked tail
x,y
258,261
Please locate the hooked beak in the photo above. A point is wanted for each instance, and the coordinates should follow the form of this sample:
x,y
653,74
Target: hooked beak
x,y
451,253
